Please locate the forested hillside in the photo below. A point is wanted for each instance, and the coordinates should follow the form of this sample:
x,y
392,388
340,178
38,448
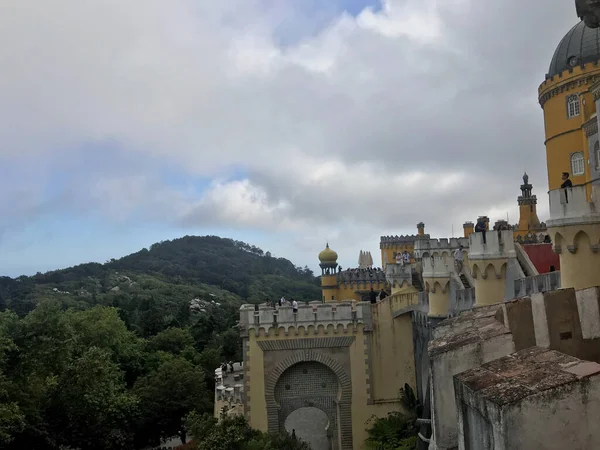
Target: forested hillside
x,y
116,355
153,287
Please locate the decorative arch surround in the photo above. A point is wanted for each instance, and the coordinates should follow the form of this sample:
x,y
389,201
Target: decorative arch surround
x,y
573,240
344,411
438,285
499,272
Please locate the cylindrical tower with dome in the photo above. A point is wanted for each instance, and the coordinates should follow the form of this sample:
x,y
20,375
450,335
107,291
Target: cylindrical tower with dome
x,y
328,263
571,124
568,104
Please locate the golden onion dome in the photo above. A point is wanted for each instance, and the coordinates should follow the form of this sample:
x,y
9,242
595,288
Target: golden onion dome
x,y
328,255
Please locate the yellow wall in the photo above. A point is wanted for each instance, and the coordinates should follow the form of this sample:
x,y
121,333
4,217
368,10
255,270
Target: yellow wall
x,y
398,248
254,384
581,269
565,136
528,220
392,352
329,287
332,291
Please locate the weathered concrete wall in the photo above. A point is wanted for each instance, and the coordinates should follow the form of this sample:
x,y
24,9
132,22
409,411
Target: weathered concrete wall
x,y
461,343
533,399
518,317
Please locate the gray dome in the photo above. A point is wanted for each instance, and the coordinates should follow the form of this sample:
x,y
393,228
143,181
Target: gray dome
x,y
580,45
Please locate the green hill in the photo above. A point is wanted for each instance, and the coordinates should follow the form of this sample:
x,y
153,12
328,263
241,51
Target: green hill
x,y
169,284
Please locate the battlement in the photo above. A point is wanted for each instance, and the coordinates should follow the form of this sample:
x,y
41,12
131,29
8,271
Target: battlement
x,y
437,266
428,246
361,276
570,207
499,244
390,241
396,274
342,317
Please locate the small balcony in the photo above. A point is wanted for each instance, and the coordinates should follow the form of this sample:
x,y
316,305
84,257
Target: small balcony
x,y
570,206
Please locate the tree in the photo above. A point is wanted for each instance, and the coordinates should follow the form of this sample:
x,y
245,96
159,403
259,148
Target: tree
x,y
168,395
234,433
231,344
102,327
90,407
171,340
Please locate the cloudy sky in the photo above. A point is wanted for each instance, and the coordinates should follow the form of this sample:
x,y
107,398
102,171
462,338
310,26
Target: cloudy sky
x,y
283,123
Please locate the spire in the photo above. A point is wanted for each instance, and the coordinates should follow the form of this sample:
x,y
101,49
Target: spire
x,y
526,198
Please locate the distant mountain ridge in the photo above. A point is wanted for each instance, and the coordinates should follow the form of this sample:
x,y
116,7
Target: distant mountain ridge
x,y
162,281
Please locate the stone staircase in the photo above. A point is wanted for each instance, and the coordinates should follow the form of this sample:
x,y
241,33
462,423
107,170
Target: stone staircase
x,y
465,280
417,282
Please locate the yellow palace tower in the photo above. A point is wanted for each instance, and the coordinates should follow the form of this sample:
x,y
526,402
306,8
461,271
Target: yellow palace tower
x,y
568,104
328,263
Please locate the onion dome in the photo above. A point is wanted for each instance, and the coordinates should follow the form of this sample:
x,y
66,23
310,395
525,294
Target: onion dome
x,y
328,256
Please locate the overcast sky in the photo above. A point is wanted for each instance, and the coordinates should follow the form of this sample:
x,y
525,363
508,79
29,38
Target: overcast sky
x,y
283,123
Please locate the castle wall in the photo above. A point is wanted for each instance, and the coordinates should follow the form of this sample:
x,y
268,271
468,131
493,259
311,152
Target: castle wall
x,y
367,348
391,340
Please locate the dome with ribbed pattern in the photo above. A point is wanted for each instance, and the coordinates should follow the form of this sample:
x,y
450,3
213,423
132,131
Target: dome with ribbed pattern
x,y
581,45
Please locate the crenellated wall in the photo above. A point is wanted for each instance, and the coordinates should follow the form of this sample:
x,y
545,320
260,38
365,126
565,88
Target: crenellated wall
x,y
390,245
399,277
427,247
341,317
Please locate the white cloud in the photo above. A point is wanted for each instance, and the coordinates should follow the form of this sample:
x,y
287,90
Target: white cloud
x,y
423,110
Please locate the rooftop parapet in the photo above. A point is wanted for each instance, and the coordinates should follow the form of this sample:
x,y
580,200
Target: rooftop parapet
x,y
499,244
348,314
390,241
431,245
437,266
570,207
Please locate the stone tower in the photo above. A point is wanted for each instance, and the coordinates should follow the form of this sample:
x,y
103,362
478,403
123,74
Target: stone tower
x,y
328,263
528,218
488,263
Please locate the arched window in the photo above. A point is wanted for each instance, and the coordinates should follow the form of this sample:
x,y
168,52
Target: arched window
x,y
573,107
577,163
597,153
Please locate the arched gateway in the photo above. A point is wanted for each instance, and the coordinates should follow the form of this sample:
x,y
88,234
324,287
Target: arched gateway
x,y
301,383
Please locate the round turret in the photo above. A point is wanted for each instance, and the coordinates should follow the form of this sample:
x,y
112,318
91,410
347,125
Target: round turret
x,y
328,256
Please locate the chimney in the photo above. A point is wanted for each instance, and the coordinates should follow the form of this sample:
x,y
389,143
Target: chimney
x,y
420,229
468,228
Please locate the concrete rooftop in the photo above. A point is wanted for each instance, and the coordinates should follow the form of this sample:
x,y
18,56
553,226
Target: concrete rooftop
x,y
525,373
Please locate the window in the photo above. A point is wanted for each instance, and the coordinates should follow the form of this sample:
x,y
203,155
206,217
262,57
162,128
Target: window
x,y
577,164
573,107
597,154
